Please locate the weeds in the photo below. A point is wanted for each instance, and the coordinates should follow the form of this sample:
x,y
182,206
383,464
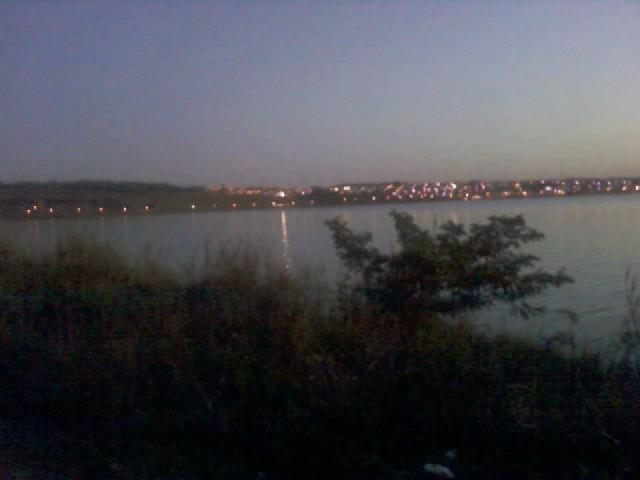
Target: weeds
x,y
243,367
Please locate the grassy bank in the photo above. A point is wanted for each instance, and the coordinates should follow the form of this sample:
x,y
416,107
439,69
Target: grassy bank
x,y
138,372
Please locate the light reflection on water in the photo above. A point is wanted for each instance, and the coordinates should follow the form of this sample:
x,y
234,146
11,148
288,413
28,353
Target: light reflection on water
x,y
595,238
285,242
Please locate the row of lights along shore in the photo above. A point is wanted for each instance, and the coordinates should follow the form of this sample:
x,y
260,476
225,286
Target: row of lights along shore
x,y
79,210
101,210
393,197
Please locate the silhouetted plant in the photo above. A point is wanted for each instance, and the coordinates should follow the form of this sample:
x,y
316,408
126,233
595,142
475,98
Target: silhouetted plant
x,y
630,334
247,368
451,270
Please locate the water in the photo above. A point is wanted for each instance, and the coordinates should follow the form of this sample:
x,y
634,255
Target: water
x,y
594,238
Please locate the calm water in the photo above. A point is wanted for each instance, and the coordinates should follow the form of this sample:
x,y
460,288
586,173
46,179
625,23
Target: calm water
x,y
595,238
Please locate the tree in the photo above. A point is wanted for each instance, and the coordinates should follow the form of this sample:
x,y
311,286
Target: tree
x,y
452,270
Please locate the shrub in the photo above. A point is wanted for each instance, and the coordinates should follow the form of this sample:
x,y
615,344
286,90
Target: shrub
x,y
450,271
246,368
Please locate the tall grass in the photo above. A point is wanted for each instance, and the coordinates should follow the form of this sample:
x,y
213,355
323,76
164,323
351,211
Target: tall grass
x,y
242,367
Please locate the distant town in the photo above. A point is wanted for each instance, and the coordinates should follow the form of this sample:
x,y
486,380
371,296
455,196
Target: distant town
x,y
433,191
83,198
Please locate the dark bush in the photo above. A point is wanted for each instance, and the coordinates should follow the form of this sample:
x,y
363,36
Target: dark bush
x,y
245,369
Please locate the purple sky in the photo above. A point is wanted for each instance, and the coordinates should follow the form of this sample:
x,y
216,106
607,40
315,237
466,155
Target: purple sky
x,y
316,92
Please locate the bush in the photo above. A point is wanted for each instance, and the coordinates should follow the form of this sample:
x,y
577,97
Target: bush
x,y
450,271
244,368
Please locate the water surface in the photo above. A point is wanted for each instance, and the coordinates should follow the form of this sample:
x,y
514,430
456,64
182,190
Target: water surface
x,y
594,238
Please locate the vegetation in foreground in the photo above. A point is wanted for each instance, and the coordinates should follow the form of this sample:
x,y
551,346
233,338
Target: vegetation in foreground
x,y
115,370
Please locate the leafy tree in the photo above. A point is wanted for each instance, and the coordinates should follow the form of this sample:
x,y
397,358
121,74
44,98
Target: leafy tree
x,y
451,270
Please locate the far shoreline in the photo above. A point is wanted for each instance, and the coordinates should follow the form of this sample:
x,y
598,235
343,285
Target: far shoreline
x,y
66,212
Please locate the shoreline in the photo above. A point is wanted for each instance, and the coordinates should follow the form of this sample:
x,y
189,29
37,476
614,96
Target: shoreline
x,y
137,208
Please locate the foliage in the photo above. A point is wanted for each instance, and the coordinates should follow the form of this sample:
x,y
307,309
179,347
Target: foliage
x,y
448,271
243,368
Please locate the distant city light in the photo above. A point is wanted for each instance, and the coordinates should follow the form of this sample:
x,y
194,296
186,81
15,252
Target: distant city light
x,y
372,192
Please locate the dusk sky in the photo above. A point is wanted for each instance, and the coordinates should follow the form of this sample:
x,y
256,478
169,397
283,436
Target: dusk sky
x,y
318,92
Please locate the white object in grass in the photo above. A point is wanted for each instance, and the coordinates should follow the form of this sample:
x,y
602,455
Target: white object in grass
x,y
440,470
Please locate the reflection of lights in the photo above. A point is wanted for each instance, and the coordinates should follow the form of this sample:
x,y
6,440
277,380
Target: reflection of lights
x,y
51,210
124,209
253,204
193,206
28,211
101,210
147,208
285,240
35,208
78,210
234,205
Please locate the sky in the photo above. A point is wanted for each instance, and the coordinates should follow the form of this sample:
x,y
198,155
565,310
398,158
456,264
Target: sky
x,y
318,92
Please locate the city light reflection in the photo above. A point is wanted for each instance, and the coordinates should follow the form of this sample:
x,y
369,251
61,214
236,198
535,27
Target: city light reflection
x,y
285,241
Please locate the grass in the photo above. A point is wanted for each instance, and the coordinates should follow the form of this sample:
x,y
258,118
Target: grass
x,y
241,368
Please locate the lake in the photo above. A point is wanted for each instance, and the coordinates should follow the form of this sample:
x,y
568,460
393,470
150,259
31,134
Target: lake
x,y
596,239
